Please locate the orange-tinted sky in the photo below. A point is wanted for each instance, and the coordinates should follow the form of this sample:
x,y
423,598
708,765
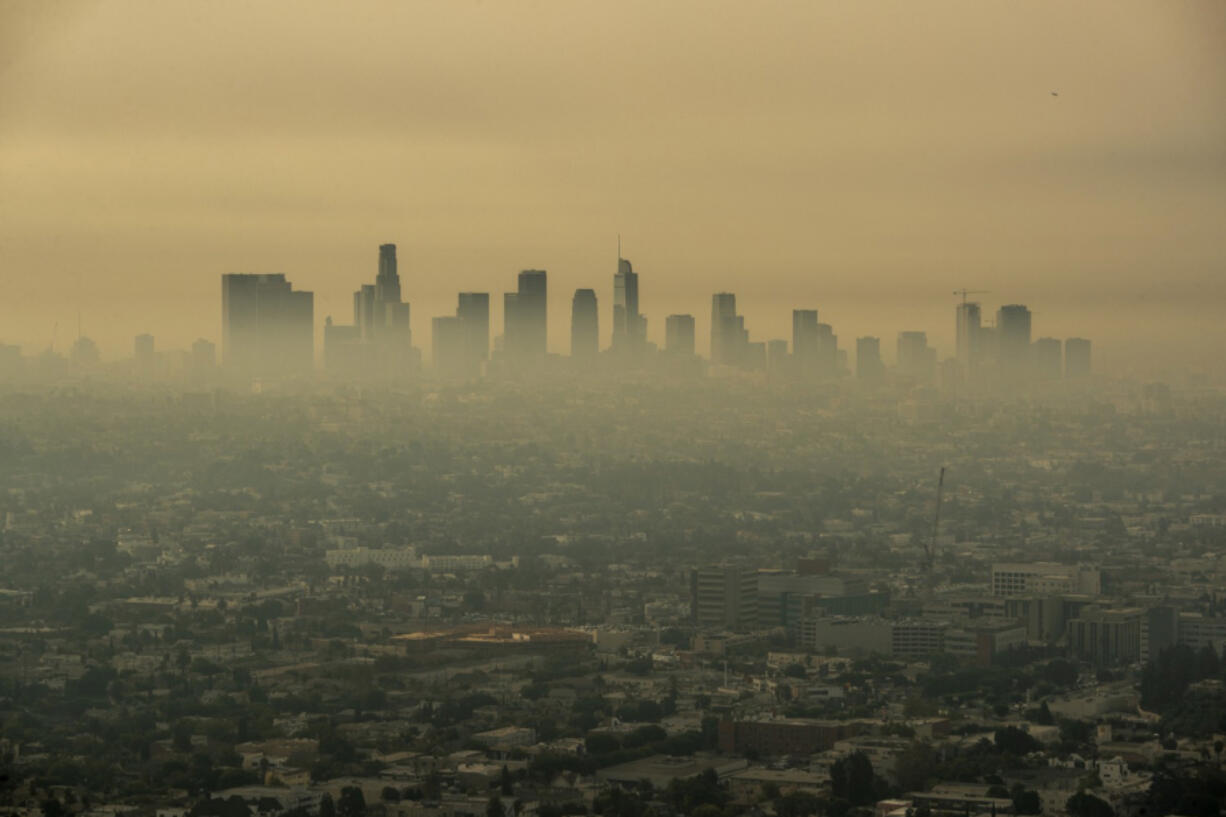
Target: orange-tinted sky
x,y
864,158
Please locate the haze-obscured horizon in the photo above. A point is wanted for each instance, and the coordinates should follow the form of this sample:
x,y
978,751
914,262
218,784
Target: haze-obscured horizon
x,y
865,159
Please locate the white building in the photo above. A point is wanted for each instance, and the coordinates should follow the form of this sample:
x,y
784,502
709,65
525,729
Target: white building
x,y
1045,578
390,558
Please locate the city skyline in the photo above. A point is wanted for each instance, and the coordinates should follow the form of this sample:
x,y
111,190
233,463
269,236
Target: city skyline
x,y
265,320
850,157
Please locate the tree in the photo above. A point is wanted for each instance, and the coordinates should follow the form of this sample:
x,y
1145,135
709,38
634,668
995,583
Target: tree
x,y
327,808
1084,804
494,807
915,766
391,794
352,803
851,779
1014,741
506,784
1026,801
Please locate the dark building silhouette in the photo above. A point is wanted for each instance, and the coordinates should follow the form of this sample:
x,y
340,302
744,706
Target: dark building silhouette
x,y
827,351
629,325
343,348
679,335
729,338
1049,358
379,343
584,325
267,326
916,359
968,338
447,343
473,310
525,335
868,358
806,341
1076,358
460,343
1013,341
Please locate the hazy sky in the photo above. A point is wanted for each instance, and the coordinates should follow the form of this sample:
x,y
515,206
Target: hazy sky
x,y
863,158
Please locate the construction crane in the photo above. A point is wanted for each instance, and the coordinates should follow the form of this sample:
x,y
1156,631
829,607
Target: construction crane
x,y
965,292
931,547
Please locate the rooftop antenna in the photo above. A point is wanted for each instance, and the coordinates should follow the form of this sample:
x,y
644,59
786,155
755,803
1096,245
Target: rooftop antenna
x,y
619,247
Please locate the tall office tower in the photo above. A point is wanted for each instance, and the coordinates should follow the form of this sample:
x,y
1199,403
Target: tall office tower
x,y
723,310
473,310
827,351
679,335
267,328
379,343
510,327
1076,357
584,325
916,359
868,358
724,598
967,319
629,325
525,335
449,347
729,338
1048,358
342,349
806,342
1013,341
387,281
143,354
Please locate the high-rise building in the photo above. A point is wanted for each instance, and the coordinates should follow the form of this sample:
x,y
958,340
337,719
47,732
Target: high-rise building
x,y
379,343
806,341
724,598
267,326
584,325
387,281
460,343
967,350
629,325
868,358
343,349
828,352
1076,357
447,346
679,335
916,359
1048,358
473,310
1013,341
525,336
729,338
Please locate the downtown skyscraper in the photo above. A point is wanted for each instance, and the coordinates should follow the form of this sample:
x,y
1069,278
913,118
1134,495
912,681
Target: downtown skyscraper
x,y
379,342
584,325
629,325
525,329
267,327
